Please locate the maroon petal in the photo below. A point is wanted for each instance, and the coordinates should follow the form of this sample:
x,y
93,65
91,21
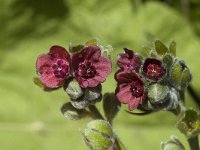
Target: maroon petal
x,y
91,53
49,80
127,77
43,60
103,67
124,94
134,103
59,52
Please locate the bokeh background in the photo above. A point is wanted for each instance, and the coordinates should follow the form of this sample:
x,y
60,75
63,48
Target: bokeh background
x,y
30,119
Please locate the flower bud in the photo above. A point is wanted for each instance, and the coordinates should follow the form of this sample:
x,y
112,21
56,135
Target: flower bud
x,y
90,97
74,90
172,144
189,124
158,95
99,135
180,75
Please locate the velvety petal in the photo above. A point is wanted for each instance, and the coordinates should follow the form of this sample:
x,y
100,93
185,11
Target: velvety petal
x,y
127,77
91,53
122,61
103,67
134,103
92,82
59,52
43,60
49,80
128,61
124,94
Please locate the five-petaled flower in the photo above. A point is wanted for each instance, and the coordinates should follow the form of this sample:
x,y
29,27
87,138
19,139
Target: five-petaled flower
x,y
90,68
153,69
130,89
129,61
53,67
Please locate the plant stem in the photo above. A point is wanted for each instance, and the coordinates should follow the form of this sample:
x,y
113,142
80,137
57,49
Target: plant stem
x,y
95,112
194,143
194,94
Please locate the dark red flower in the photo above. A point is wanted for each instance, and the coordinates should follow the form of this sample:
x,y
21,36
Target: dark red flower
x,y
130,89
129,61
53,67
90,67
153,69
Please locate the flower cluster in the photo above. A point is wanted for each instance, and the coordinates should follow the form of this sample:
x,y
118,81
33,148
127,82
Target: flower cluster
x,y
84,66
151,83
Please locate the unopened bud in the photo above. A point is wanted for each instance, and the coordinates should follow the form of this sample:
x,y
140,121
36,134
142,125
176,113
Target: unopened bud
x,y
99,135
74,90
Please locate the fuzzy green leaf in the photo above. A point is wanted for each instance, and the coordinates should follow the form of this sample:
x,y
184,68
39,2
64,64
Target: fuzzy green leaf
x,y
111,106
72,113
160,47
172,48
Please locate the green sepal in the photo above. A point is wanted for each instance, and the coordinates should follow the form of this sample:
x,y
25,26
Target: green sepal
x,y
75,48
160,47
176,75
37,82
153,53
92,42
146,49
172,48
106,51
168,61
186,77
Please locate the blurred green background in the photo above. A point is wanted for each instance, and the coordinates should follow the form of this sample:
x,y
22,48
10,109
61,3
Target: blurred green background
x,y
30,119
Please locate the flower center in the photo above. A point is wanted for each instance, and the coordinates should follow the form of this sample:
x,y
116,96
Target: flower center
x,y
154,71
60,68
137,89
86,70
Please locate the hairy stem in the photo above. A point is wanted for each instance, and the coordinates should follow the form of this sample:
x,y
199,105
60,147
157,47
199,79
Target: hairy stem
x,y
194,143
95,111
194,94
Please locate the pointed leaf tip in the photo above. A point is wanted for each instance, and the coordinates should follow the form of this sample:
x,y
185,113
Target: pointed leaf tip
x,y
160,47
